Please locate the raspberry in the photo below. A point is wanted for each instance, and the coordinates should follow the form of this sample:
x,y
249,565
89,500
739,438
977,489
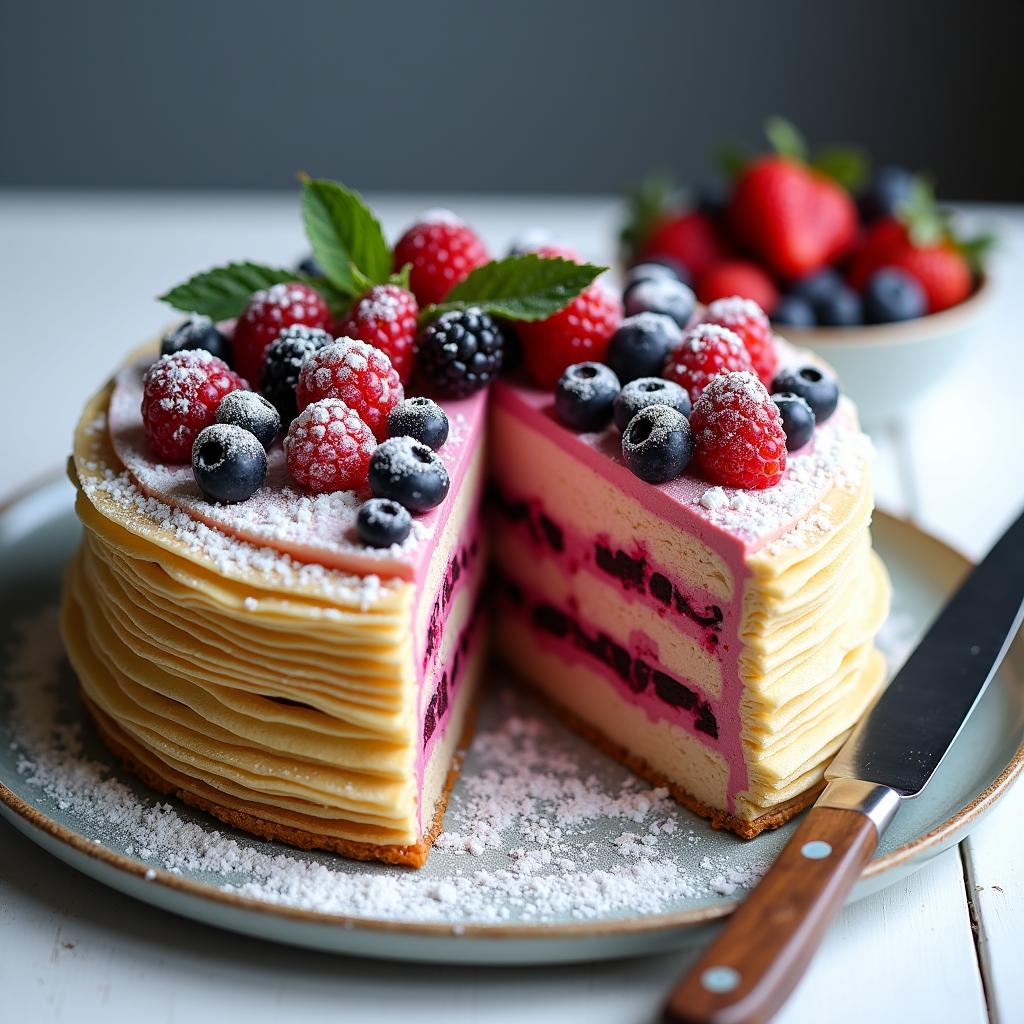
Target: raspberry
x,y
180,396
746,318
359,374
738,277
442,250
577,334
705,351
328,447
460,352
385,317
269,312
738,432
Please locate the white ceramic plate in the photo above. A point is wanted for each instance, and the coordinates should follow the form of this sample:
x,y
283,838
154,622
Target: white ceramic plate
x,y
55,799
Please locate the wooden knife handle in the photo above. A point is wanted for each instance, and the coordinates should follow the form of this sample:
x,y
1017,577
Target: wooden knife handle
x,y
748,971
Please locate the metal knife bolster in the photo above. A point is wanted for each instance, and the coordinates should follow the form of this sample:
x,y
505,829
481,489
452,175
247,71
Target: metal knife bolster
x,y
875,801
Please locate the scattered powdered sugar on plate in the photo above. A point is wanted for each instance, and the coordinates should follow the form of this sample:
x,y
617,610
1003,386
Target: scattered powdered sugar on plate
x,y
541,827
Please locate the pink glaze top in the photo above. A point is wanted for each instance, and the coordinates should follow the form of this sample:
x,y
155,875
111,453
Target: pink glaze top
x,y
311,528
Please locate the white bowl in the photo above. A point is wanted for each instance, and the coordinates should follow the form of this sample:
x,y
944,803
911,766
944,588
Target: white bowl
x,y
887,367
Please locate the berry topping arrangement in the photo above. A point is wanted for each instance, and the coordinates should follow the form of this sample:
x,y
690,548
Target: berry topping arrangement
x,y
327,353
814,239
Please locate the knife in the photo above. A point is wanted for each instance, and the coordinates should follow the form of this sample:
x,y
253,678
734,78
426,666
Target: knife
x,y
754,963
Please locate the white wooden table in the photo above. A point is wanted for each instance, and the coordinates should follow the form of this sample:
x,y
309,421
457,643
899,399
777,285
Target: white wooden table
x,y
77,277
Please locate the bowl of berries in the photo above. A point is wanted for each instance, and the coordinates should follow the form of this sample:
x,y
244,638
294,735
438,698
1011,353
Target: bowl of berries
x,y
864,267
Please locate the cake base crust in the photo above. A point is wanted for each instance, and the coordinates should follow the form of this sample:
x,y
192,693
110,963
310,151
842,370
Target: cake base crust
x,y
413,855
719,819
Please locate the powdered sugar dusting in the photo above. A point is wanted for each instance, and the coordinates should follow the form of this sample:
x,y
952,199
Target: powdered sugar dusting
x,y
541,828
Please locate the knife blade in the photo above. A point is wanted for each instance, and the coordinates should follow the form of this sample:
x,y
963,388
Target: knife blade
x,y
747,973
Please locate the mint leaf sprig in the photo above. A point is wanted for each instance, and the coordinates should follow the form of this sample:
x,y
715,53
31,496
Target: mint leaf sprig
x,y
526,287
348,243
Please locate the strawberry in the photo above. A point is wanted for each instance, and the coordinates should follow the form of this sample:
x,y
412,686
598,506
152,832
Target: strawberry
x,y
796,219
692,239
941,270
872,252
738,277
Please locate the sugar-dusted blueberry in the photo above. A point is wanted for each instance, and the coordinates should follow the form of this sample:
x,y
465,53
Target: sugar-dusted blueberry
x,y
229,463
794,311
420,418
645,391
892,294
657,444
814,385
252,412
381,522
641,344
584,395
308,265
843,308
797,419
889,188
407,471
654,271
198,332
673,298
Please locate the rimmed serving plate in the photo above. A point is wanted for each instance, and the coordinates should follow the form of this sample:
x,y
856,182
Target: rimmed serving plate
x,y
38,532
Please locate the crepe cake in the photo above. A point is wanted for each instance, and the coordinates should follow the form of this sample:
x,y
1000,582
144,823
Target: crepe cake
x,y
257,660
717,640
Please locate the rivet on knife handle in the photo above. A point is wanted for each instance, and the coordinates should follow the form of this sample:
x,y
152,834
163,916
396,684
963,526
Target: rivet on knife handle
x,y
758,958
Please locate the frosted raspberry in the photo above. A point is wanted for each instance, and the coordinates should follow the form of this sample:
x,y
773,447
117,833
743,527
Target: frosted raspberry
x,y
738,433
385,317
328,447
269,312
359,374
442,251
747,319
180,396
705,351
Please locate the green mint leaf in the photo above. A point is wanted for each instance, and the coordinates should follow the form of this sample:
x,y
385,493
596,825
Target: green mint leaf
x,y
528,287
977,250
223,292
731,160
401,277
344,235
846,165
926,224
785,139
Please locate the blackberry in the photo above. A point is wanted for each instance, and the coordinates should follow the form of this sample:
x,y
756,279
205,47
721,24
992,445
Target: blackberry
x,y
228,462
251,412
198,332
283,362
419,418
584,396
460,352
645,391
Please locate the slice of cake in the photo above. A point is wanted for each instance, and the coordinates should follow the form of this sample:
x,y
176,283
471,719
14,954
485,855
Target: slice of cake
x,y
258,660
717,640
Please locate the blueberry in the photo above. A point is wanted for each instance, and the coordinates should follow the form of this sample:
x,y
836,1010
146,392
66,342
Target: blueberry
x,y
892,295
419,418
531,240
679,271
229,463
407,471
641,344
381,522
645,391
309,265
252,412
657,444
649,272
198,332
817,287
887,190
713,199
842,308
816,387
794,311
797,419
584,395
672,298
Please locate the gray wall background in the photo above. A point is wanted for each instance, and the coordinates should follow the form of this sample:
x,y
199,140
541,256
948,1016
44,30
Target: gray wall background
x,y
524,96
